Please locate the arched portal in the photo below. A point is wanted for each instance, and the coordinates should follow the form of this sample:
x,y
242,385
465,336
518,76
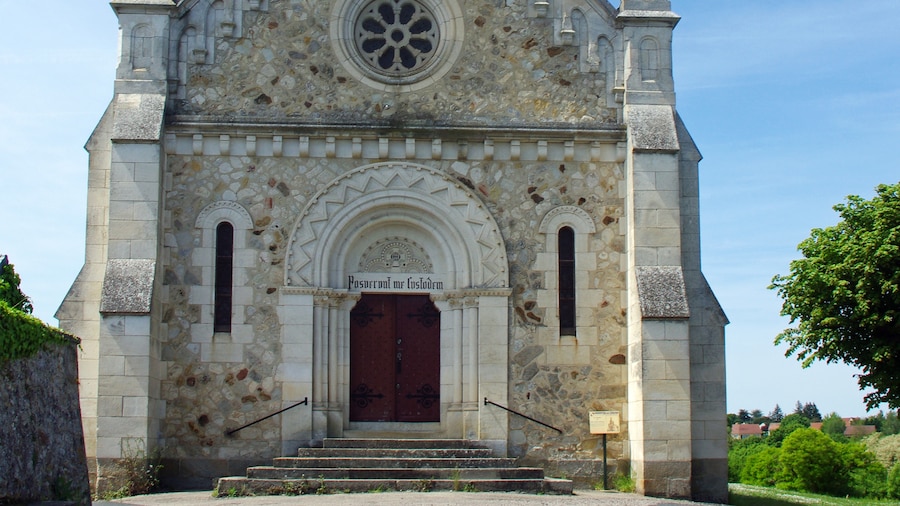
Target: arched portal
x,y
402,229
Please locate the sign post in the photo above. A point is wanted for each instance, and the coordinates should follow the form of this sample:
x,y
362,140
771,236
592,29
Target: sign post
x,y
604,422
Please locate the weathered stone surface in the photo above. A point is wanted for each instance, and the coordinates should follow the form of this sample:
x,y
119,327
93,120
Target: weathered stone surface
x,y
653,128
138,117
662,292
42,453
128,286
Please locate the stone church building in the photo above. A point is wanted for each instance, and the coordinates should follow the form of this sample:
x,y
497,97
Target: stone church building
x,y
398,210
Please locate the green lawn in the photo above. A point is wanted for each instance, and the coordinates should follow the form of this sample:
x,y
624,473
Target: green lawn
x,y
747,495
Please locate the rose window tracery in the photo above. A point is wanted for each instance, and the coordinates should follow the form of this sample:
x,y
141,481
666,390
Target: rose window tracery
x,y
396,37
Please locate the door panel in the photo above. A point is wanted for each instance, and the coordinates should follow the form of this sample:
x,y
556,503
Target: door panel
x,y
371,386
418,352
395,359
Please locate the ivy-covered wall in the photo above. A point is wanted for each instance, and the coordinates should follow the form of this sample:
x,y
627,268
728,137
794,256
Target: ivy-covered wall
x,y
42,454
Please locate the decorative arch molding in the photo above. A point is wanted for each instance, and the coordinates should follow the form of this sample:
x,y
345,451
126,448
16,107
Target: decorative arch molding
x,y
575,217
397,195
224,210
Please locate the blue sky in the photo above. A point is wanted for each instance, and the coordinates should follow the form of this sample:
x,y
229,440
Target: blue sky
x,y
794,105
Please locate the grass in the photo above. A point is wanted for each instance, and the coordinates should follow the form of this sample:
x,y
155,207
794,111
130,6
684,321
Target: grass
x,y
748,495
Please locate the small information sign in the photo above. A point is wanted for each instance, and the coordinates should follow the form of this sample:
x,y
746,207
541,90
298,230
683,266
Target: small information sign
x,y
604,422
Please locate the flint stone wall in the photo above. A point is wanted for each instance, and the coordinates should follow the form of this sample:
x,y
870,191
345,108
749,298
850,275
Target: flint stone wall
x,y
42,454
509,72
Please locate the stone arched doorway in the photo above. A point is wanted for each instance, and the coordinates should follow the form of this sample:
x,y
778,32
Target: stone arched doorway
x,y
402,229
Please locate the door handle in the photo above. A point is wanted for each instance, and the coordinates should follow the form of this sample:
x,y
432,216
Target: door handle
x,y
399,362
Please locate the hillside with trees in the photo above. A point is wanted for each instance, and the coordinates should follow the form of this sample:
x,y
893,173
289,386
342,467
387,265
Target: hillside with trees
x,y
797,453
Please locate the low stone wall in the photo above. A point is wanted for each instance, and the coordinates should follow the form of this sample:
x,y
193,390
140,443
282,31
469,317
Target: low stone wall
x,y
42,454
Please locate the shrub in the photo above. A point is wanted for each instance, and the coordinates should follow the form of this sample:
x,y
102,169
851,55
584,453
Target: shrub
x,y
788,425
834,426
738,453
893,482
624,483
762,467
866,476
136,473
811,462
9,288
885,448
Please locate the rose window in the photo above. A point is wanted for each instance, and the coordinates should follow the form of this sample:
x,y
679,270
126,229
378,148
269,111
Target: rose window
x,y
396,37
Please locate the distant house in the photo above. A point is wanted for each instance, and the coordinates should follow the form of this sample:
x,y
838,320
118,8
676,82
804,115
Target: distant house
x,y
745,430
859,430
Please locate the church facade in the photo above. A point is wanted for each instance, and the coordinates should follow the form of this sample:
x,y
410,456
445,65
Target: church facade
x,y
404,213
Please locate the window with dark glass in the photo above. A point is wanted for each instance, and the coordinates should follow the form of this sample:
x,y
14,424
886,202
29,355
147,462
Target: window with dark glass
x,y
224,277
566,250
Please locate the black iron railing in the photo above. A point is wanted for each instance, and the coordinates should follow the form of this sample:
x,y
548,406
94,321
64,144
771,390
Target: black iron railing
x,y
305,401
486,402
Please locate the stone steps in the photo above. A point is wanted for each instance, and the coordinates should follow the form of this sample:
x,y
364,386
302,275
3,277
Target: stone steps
x,y
397,463
366,465
406,473
396,453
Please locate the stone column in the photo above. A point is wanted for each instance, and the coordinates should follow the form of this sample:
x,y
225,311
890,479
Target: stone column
x,y
296,370
450,306
492,362
320,369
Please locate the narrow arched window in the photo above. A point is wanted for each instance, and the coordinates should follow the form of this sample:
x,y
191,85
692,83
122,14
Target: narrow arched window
x,y
566,281
141,48
649,60
224,277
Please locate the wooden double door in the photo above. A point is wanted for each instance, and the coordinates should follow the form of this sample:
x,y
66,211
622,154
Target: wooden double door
x,y
395,348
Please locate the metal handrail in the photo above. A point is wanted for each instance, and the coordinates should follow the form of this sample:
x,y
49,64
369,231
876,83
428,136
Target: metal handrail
x,y
486,402
305,401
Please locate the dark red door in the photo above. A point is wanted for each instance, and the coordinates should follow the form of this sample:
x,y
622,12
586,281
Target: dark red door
x,y
395,359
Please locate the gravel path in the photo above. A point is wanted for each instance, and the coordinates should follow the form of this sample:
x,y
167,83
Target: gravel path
x,y
581,497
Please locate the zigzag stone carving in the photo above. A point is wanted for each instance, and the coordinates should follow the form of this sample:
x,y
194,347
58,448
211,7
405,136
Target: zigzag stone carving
x,y
442,193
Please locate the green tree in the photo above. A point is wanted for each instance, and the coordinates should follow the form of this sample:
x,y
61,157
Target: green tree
x,y
866,476
891,424
834,426
739,451
811,411
811,462
762,467
744,416
776,415
885,448
893,482
876,420
788,425
757,417
9,287
843,296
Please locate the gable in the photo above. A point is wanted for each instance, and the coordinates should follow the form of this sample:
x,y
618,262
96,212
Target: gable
x,y
436,62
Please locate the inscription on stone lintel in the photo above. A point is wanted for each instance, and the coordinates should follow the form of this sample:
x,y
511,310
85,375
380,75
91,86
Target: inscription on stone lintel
x,y
394,282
